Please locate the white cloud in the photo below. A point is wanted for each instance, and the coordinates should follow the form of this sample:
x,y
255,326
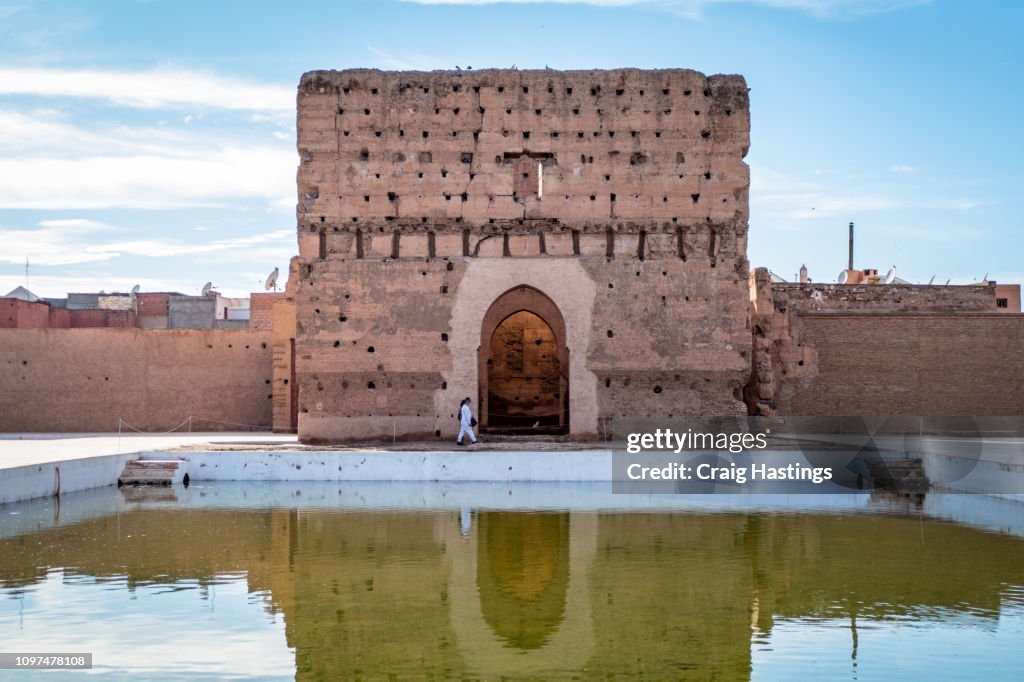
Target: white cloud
x,y
159,248
59,244
786,197
148,89
50,163
692,8
78,240
43,131
829,205
46,132
148,181
76,224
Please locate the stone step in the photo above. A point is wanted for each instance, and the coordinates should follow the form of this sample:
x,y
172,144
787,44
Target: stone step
x,y
900,475
143,480
149,472
139,494
156,463
143,471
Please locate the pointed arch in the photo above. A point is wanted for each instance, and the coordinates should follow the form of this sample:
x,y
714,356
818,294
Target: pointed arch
x,y
524,362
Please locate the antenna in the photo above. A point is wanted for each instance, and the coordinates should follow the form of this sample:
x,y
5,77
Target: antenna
x,y
931,280
271,282
948,281
890,276
136,288
26,273
844,277
985,278
207,288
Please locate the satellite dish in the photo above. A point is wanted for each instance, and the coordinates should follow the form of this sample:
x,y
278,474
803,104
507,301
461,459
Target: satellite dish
x,y
844,277
271,282
207,288
890,276
135,289
931,280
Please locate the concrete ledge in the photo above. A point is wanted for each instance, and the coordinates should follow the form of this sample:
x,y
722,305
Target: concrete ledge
x,y
46,479
43,479
306,465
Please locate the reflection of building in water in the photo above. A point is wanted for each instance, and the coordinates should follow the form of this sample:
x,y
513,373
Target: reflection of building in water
x,y
522,574
530,596
520,603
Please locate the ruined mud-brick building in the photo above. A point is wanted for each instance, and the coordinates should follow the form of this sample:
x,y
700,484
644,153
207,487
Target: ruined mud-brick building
x,y
561,246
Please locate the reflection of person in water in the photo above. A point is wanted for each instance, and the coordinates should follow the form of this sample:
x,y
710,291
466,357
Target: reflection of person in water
x,y
466,422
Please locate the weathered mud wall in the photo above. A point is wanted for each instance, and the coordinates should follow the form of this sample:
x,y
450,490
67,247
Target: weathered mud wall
x,y
423,197
83,380
883,350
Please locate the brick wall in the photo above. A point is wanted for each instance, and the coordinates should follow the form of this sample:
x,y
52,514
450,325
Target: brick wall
x,y
60,318
928,364
85,379
15,312
883,297
867,350
95,317
261,309
151,305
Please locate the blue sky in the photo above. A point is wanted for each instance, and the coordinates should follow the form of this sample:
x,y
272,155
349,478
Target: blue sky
x,y
153,141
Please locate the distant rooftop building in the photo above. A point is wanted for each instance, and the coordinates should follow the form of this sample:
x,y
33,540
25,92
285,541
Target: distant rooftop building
x,y
149,310
1008,298
22,294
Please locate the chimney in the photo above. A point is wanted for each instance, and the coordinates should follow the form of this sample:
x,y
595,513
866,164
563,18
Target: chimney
x,y
850,266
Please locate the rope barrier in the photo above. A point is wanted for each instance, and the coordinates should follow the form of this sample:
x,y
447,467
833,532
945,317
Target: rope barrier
x,y
249,427
121,423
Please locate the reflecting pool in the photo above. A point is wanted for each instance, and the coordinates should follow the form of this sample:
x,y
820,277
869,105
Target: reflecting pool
x,y
313,582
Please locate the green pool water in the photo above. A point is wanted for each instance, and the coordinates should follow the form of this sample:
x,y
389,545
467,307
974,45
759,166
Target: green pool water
x,y
262,584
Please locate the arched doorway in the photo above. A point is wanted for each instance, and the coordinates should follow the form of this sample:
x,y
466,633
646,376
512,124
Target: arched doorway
x,y
524,365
